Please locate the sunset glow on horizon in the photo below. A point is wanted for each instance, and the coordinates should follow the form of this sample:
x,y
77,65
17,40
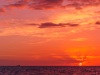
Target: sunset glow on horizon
x,y
50,32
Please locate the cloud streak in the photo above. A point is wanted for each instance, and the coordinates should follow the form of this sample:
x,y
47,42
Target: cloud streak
x,y
46,4
52,4
36,4
50,25
79,39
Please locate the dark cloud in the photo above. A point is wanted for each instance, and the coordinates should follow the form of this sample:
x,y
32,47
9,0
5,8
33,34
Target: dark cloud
x,y
79,4
20,3
52,4
50,24
37,4
85,2
98,23
15,5
46,4
67,59
72,24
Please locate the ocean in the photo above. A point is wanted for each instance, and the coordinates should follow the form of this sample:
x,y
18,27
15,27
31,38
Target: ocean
x,y
49,70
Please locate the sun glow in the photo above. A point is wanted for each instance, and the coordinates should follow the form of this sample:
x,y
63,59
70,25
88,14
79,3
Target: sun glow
x,y
80,64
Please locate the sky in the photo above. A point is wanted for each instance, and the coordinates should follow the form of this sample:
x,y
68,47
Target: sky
x,y
50,32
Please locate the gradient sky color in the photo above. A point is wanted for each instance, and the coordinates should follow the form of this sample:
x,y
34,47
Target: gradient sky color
x,y
50,32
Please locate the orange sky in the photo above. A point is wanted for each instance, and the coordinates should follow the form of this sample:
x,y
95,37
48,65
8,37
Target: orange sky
x,y
50,32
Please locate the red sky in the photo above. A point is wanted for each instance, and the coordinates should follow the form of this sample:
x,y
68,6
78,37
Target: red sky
x,y
50,32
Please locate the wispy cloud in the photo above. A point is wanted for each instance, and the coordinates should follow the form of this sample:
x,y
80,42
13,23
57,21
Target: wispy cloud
x,y
36,4
51,4
79,39
72,24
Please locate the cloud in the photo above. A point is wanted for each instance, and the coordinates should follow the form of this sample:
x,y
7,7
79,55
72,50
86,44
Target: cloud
x,y
50,24
33,24
56,60
18,4
2,10
80,4
46,4
37,4
79,39
72,24
15,5
98,23
66,58
84,2
51,4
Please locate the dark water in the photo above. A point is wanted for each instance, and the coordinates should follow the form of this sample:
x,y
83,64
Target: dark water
x,y
49,70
